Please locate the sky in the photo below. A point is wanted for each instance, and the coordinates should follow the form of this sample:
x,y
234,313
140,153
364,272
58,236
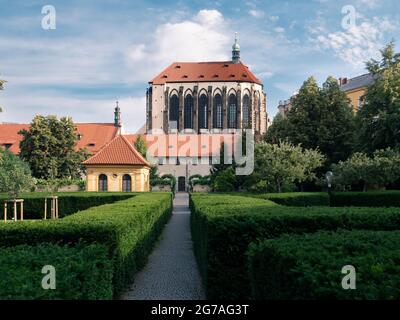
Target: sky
x,y
105,50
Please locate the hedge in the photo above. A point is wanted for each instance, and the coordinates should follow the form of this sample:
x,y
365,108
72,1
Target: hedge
x,y
310,266
81,272
366,199
222,233
129,228
68,202
296,199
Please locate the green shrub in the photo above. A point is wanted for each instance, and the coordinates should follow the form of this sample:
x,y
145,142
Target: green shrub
x,y
82,272
296,199
309,266
222,233
68,203
366,199
129,228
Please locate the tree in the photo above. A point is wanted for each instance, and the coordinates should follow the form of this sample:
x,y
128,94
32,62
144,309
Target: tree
x,y
322,118
15,175
2,82
380,169
278,130
140,145
49,148
279,165
379,119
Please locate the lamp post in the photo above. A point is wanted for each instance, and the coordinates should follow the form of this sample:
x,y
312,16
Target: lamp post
x,y
329,178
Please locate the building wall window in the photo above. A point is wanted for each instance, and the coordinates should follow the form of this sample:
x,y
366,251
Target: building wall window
x,y
174,112
188,112
203,112
232,111
102,182
246,111
217,112
126,183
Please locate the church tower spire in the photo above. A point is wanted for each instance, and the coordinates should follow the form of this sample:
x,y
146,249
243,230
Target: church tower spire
x,y
236,50
117,116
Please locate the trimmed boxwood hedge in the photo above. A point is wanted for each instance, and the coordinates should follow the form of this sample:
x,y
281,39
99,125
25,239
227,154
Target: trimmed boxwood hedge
x,y
366,199
129,228
68,202
296,199
82,272
309,266
222,233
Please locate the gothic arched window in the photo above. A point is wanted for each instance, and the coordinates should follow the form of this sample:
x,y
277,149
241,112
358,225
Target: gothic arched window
x,y
232,111
188,112
203,112
246,111
174,112
217,111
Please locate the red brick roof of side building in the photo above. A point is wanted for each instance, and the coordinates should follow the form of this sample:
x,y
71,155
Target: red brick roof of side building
x,y
185,145
119,151
205,72
92,136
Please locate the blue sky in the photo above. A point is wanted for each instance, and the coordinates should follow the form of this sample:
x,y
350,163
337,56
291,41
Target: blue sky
x,y
108,49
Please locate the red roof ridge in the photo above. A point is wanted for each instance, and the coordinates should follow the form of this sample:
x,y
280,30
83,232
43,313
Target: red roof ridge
x,y
104,149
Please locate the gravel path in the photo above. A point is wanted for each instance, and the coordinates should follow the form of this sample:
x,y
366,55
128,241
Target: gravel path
x,y
171,272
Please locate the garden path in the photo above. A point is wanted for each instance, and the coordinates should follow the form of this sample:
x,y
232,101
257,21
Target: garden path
x,y
171,272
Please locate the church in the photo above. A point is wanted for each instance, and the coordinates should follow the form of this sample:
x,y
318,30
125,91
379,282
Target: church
x,y
199,97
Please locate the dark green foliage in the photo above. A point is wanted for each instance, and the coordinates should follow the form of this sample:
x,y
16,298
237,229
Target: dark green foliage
x,y
15,175
366,199
68,203
296,199
49,148
222,233
82,272
309,266
378,121
128,228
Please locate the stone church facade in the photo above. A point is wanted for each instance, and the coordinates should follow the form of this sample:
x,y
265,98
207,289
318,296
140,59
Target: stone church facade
x,y
204,97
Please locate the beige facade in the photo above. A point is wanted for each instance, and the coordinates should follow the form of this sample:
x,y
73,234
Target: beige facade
x,y
139,177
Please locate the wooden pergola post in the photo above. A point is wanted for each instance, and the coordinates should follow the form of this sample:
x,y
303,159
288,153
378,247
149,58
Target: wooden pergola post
x,y
15,209
53,207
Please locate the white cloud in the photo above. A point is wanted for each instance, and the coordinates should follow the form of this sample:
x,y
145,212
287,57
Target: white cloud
x,y
279,30
256,13
358,44
273,18
202,38
368,3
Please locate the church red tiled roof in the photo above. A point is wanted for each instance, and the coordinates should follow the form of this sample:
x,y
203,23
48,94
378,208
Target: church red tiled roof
x,y
205,72
92,136
118,151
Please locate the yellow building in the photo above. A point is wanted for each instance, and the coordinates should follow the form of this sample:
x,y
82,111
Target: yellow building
x,y
356,89
118,166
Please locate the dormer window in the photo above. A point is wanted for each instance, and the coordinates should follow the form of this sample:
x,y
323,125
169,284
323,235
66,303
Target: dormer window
x,y
177,66
185,76
92,144
215,76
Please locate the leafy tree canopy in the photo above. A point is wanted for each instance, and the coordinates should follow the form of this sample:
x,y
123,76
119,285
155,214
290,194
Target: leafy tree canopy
x,y
282,164
379,120
140,145
319,118
15,175
49,148
380,169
